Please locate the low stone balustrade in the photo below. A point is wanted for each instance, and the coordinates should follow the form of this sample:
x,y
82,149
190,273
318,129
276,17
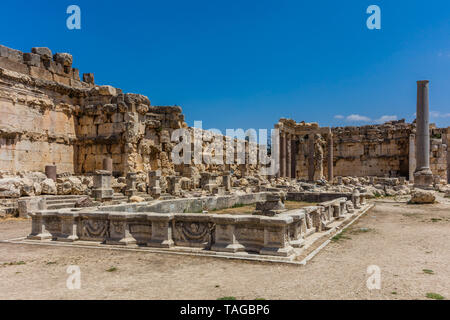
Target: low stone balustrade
x,y
162,225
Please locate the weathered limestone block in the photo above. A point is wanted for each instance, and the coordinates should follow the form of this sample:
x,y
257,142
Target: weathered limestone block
x,y
154,188
419,196
225,238
88,78
119,229
174,187
65,59
102,186
131,184
273,205
29,205
161,235
45,53
69,227
39,229
276,240
32,59
10,187
49,187
226,180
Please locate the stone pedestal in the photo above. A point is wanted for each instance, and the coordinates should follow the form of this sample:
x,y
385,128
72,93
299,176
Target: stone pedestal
x,y
174,185
273,205
154,188
131,184
208,181
50,172
226,181
102,186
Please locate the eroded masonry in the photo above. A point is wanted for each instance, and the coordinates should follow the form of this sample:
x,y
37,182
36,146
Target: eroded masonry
x,y
92,164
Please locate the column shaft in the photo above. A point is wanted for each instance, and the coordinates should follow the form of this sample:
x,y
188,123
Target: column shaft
x,y
289,155
330,158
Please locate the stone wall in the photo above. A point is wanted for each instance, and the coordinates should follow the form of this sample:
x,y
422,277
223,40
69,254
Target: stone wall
x,y
372,150
37,123
50,116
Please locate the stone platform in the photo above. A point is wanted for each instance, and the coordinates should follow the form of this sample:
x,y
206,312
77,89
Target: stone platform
x,y
281,237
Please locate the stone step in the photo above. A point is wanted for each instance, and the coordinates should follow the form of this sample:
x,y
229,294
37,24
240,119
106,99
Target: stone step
x,y
62,201
59,197
60,206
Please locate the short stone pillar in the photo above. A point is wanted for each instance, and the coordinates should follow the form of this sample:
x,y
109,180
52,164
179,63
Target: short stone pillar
x,y
273,205
356,199
131,184
28,205
423,177
50,172
336,210
174,185
154,188
339,180
208,181
226,181
108,164
102,186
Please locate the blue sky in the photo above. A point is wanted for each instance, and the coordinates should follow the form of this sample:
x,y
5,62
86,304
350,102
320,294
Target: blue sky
x,y
245,64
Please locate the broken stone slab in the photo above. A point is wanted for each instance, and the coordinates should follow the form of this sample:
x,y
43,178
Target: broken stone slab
x,y
88,78
65,59
30,205
419,196
45,53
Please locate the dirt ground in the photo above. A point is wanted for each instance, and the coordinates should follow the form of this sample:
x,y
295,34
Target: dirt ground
x,y
402,240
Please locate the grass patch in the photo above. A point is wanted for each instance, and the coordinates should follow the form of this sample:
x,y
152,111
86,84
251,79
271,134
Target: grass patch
x,y
15,263
435,296
360,230
238,205
340,236
428,271
435,219
394,292
112,269
51,262
227,298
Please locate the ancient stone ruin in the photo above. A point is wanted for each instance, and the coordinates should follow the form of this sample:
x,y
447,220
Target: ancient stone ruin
x,y
90,163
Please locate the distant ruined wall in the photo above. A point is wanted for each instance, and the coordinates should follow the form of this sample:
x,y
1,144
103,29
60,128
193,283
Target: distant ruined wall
x,y
372,150
49,116
37,107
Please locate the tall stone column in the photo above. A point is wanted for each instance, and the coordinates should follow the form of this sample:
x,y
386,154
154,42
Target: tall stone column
x,y
294,157
412,156
311,157
423,177
289,156
283,155
330,157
